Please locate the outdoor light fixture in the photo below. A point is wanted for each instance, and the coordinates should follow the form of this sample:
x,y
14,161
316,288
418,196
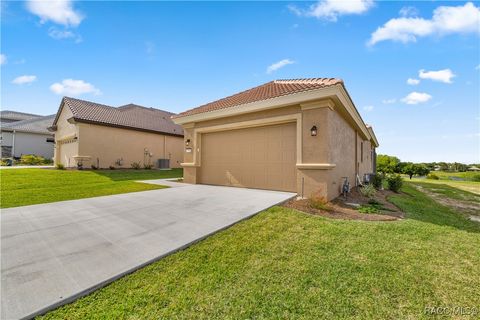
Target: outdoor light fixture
x,y
187,142
313,131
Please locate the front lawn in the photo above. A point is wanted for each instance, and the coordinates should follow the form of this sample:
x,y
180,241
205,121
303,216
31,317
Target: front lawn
x,y
286,264
21,187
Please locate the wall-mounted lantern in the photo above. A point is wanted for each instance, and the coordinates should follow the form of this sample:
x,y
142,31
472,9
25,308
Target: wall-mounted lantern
x,y
313,131
187,142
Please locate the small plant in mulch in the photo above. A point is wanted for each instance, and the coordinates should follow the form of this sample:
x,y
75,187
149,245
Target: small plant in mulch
x,y
111,168
135,165
368,208
368,191
60,166
148,166
319,202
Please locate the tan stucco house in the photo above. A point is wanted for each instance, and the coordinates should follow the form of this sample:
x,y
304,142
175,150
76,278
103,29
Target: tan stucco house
x,y
94,134
300,135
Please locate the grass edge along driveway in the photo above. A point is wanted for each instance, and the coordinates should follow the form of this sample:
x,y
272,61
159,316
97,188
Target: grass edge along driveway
x,y
286,264
21,187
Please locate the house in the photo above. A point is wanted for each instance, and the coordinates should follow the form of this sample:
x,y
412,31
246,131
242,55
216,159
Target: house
x,y
29,136
7,116
300,135
88,133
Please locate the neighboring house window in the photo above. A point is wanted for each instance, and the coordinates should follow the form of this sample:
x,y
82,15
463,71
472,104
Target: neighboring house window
x,y
6,151
361,151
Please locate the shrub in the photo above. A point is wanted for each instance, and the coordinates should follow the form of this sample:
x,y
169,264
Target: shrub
x,y
60,166
4,162
368,209
111,168
319,202
432,176
476,177
374,202
31,159
148,166
368,191
394,182
94,167
135,165
377,181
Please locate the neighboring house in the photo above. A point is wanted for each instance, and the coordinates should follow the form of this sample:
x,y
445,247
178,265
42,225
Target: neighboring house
x,y
28,137
301,135
89,133
7,116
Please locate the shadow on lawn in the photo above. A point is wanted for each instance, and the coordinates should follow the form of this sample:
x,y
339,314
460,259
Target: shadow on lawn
x,y
141,174
419,206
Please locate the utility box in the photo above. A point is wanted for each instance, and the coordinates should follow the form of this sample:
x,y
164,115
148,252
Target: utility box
x,y
163,163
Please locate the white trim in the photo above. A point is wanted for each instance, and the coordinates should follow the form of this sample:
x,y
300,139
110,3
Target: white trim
x,y
188,164
328,103
316,166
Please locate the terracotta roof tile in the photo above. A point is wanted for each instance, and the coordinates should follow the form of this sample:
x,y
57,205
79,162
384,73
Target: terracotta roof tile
x,y
265,91
128,116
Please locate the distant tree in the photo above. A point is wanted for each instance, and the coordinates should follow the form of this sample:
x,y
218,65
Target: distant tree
x,y
443,166
387,164
421,169
408,168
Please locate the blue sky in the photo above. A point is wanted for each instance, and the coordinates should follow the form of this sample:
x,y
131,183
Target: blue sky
x,y
178,55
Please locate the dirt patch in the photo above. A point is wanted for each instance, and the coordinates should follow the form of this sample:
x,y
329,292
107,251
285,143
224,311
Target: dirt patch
x,y
458,205
345,209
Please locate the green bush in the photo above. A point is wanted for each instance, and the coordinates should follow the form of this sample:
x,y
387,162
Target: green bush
x,y
394,182
111,168
31,159
60,166
368,209
377,181
135,165
476,177
432,176
368,191
94,167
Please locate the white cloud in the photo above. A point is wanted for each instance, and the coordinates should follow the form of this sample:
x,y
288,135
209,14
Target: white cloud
x,y
332,9
64,34
74,87
24,79
408,12
444,75
368,108
445,20
412,81
416,98
3,59
389,101
57,11
279,64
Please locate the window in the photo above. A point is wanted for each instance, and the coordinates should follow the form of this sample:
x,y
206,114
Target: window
x,y
361,151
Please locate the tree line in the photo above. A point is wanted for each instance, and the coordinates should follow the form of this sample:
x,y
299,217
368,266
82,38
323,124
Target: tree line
x,y
390,164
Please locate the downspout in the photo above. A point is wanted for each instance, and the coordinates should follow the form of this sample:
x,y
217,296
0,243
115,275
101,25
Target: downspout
x,y
164,147
13,148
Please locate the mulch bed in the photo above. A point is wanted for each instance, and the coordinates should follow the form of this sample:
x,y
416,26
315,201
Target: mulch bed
x,y
341,209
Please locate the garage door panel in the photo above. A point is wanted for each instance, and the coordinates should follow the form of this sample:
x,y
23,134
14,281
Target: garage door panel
x,y
261,157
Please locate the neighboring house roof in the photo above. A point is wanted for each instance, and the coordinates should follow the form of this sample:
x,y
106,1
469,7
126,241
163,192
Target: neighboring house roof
x,y
265,91
130,116
17,116
36,125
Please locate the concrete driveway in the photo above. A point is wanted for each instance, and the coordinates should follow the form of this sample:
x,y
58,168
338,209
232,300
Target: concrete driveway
x,y
54,253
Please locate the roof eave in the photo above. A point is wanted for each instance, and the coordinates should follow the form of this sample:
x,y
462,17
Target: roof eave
x,y
337,90
75,120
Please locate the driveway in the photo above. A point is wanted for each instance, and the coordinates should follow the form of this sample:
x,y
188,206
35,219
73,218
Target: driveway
x,y
54,253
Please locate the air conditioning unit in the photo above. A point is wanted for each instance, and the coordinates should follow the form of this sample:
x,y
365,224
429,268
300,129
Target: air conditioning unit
x,y
163,163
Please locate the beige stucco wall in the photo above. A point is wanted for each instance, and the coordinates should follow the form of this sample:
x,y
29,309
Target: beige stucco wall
x,y
107,144
333,148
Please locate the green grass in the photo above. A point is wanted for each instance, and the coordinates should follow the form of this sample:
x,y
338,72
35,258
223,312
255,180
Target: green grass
x,y
286,264
444,175
470,186
449,191
22,187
